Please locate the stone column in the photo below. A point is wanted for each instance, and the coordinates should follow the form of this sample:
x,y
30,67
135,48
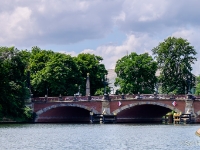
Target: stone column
x,y
189,108
106,107
88,85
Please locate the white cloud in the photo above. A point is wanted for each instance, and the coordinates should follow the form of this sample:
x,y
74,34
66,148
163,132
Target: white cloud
x,y
120,17
111,53
14,25
25,23
72,53
63,22
56,22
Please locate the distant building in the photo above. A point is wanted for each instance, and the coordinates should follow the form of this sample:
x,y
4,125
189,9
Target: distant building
x,y
111,76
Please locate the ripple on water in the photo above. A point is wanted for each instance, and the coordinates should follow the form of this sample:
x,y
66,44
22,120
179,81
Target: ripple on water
x,y
98,136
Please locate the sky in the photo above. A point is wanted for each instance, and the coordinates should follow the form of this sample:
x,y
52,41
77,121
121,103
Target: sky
x,y
107,28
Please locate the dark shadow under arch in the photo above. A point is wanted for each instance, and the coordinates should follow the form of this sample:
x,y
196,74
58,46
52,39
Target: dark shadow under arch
x,y
64,113
143,112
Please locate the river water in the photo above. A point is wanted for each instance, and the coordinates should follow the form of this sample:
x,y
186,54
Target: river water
x,y
98,137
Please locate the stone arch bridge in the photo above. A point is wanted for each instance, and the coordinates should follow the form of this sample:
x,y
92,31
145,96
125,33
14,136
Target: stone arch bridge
x,y
128,108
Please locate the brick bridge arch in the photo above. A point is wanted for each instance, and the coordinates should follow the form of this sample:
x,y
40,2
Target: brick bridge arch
x,y
41,111
146,103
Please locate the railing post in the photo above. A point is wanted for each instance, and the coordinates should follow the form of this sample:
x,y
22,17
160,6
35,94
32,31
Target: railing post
x,y
75,98
122,96
60,97
155,95
89,97
105,96
46,98
172,96
138,96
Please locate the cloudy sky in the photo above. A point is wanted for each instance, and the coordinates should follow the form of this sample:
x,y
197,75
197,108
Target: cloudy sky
x,y
108,28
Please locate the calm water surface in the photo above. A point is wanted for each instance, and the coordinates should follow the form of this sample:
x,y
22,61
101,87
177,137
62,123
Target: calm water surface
x,y
98,137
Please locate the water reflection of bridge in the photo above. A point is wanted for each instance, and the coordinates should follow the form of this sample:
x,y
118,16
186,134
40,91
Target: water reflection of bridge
x,y
127,108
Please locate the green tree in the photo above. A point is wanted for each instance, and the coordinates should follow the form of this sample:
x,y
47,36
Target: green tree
x,y
53,73
197,91
13,87
90,63
175,57
136,73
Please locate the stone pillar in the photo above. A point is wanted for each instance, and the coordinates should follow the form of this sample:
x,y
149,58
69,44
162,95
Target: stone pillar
x,y
88,85
189,104
89,97
105,108
189,108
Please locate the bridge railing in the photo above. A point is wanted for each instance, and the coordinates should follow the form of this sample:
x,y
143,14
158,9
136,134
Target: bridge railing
x,y
112,97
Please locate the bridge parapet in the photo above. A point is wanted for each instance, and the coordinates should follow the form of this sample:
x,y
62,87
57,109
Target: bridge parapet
x,y
112,97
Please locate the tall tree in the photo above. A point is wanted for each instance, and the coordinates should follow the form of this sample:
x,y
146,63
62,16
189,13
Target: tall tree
x,y
53,73
175,57
90,63
13,87
136,73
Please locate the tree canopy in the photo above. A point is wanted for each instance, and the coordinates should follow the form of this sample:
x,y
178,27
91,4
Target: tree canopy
x,y
53,73
175,57
13,86
136,73
90,63
197,91
43,72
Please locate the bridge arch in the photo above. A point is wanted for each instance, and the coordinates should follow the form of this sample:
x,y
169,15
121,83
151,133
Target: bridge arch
x,y
41,111
145,103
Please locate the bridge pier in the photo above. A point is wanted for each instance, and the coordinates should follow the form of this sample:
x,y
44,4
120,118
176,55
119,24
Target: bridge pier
x,y
105,107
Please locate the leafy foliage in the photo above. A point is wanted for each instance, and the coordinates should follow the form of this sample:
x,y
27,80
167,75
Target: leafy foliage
x,y
49,73
53,73
197,91
136,73
175,57
90,63
13,89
